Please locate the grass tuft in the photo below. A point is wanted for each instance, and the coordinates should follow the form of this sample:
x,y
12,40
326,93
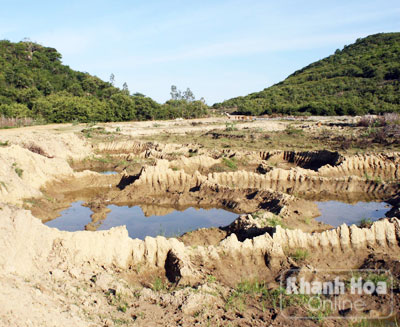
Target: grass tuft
x,y
299,255
230,163
365,223
158,285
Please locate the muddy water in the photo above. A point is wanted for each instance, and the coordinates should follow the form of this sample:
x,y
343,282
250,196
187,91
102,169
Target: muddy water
x,y
145,222
336,213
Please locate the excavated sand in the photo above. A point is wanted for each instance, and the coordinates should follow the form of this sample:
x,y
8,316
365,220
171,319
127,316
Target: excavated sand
x,y
41,268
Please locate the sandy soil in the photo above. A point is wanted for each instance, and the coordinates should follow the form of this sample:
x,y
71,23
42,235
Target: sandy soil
x,y
211,277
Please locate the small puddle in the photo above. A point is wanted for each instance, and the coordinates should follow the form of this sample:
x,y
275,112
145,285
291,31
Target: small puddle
x,y
108,172
75,218
336,213
170,224
162,221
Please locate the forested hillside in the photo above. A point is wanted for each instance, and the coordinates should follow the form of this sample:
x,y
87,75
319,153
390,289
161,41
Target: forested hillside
x,y
34,83
363,77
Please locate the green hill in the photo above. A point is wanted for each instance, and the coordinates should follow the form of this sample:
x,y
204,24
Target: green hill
x,y
34,83
362,78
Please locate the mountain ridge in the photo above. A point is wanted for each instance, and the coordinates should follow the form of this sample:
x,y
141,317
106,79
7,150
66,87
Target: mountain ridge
x,y
363,77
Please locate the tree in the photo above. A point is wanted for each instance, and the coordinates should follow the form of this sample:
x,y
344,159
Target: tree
x,y
34,83
147,108
188,95
175,93
138,94
124,106
13,110
347,82
125,89
75,89
29,47
112,79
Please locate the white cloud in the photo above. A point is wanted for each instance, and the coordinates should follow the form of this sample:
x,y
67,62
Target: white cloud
x,y
239,47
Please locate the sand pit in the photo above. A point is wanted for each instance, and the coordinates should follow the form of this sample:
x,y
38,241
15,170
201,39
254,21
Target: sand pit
x,y
106,278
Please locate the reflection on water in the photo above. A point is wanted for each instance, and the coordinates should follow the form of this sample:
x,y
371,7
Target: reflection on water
x,y
72,219
347,197
174,223
149,221
109,172
336,213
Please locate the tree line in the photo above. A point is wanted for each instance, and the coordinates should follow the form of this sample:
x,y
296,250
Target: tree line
x,y
34,83
361,78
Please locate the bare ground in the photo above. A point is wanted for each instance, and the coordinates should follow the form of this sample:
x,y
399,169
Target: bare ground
x,y
215,280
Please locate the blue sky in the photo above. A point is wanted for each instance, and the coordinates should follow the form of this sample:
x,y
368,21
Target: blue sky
x,y
220,49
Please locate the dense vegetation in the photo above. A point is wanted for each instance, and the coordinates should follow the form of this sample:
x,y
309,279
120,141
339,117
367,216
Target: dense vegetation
x,y
362,78
34,83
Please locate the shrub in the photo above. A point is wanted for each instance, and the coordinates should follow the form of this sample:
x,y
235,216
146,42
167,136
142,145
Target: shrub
x,y
19,171
291,130
230,126
365,223
230,163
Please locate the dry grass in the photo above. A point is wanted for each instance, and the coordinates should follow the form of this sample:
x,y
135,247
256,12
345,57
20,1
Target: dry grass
x,y
379,121
347,141
240,140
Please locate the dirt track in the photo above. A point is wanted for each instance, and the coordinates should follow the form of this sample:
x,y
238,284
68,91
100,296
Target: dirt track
x,y
107,279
